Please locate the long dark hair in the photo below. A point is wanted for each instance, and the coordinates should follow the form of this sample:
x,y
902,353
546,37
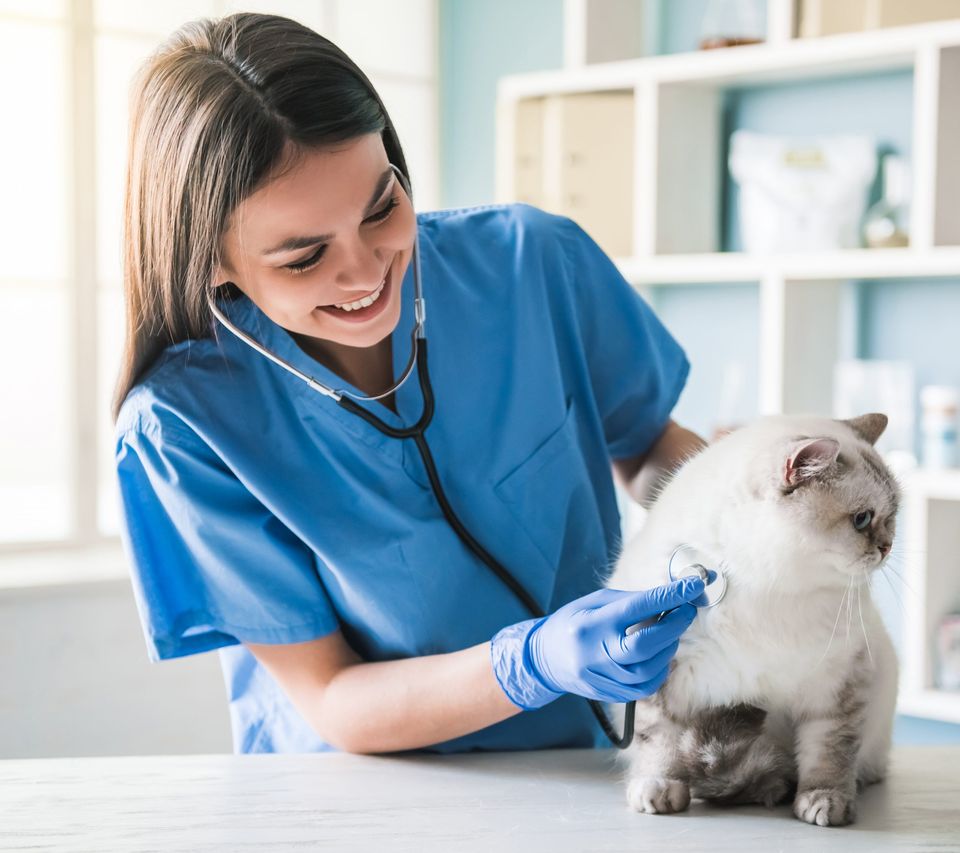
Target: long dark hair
x,y
212,111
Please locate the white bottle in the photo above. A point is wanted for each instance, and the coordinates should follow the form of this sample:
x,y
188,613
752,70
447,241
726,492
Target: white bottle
x,y
940,404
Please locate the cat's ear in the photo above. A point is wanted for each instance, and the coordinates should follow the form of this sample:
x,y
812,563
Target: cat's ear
x,y
808,459
868,427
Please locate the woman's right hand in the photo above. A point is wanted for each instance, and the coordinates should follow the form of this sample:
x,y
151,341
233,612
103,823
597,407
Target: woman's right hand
x,y
583,647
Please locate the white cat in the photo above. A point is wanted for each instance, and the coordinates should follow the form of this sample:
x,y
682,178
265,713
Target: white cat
x,y
787,687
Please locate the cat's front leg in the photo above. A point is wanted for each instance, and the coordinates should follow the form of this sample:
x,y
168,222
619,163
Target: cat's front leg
x,y
655,785
826,759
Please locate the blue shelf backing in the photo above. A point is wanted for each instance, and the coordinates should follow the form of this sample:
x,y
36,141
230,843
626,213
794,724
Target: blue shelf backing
x,y
716,324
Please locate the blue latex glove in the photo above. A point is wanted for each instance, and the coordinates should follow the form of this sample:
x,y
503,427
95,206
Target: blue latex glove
x,y
582,648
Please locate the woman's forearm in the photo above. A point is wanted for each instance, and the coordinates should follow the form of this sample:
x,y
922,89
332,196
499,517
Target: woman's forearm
x,y
674,446
388,706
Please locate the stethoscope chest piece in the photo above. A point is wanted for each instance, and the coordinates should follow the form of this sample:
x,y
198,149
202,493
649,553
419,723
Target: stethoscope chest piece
x,y
688,561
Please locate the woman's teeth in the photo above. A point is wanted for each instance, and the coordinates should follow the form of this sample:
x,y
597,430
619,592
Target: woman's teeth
x,y
362,303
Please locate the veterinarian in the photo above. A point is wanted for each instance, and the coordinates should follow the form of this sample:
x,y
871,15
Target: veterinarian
x,y
371,587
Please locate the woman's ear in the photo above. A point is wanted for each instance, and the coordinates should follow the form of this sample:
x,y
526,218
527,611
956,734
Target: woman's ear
x,y
218,277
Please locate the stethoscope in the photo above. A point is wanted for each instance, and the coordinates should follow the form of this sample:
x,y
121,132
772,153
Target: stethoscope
x,y
348,401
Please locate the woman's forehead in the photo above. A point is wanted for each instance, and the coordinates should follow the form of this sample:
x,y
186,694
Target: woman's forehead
x,y
314,191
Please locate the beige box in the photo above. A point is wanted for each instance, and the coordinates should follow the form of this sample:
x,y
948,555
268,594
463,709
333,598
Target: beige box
x,y
830,17
574,156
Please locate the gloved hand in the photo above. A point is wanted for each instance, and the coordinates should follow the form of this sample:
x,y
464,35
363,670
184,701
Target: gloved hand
x,y
582,648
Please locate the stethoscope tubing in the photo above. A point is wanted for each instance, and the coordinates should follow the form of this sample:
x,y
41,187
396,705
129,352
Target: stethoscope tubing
x,y
349,401
417,433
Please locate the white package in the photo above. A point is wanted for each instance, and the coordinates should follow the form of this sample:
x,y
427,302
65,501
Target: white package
x,y
799,195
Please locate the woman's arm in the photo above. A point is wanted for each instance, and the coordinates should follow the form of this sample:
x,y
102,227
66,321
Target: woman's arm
x,y
387,706
643,475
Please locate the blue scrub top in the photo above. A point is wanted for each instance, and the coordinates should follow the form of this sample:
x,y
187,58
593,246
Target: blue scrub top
x,y
256,509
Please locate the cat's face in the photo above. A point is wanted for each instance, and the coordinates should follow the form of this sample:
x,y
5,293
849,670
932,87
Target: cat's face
x,y
836,501
830,502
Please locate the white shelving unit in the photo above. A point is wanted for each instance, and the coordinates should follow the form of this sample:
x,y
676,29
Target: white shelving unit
x,y
931,551
677,175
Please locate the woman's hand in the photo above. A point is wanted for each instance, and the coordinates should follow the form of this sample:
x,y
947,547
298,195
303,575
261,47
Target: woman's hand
x,y
583,647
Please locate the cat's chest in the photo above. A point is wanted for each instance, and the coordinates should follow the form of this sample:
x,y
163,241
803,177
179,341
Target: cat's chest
x,y
764,662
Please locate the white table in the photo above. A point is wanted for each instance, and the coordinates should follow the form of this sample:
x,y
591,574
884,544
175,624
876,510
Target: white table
x,y
534,800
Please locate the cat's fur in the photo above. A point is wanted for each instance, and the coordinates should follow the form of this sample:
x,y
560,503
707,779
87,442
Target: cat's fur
x,y
786,688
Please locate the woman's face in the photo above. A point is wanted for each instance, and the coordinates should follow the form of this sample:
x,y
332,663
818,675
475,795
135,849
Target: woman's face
x,y
335,229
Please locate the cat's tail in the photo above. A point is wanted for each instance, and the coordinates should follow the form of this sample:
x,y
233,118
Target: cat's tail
x,y
759,771
729,758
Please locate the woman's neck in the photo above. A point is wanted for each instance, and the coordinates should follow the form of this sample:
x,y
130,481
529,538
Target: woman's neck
x,y
368,368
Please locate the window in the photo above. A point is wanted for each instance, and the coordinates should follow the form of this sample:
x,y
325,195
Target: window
x,y
67,67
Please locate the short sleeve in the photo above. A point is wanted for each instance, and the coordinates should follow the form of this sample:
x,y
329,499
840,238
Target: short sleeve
x,y
637,368
211,565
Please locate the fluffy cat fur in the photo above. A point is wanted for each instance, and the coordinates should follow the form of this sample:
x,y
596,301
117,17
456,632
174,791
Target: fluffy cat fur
x,y
787,688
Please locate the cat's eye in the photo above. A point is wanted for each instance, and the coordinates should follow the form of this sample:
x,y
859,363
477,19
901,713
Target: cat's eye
x,y
861,521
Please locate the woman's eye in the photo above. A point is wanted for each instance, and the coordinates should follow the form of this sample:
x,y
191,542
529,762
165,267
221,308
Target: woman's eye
x,y
314,259
383,214
302,266
862,519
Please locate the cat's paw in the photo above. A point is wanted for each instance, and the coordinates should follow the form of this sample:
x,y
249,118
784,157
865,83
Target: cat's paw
x,y
658,795
825,807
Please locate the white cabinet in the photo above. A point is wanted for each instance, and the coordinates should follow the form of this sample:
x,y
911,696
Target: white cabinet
x,y
676,180
573,155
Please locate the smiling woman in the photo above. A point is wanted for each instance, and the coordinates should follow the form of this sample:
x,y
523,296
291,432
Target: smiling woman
x,y
310,172
309,546
333,291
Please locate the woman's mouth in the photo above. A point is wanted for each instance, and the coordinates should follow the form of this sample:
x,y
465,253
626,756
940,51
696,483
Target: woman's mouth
x,y
369,299
364,308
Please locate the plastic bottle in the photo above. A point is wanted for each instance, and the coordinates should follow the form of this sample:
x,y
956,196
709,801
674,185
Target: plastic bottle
x,y
939,404
885,224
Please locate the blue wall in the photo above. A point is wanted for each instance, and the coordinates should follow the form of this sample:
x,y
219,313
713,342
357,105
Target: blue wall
x,y
479,43
716,324
482,41
916,320
682,22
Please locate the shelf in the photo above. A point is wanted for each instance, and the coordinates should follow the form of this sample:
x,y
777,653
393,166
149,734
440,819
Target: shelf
x,y
678,169
931,704
720,267
797,59
933,485
679,112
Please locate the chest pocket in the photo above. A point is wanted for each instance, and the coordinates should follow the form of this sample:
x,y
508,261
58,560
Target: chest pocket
x,y
550,497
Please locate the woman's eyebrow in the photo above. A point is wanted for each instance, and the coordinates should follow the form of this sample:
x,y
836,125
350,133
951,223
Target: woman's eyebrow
x,y
291,243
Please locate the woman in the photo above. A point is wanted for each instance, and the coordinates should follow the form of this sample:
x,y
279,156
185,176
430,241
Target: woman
x,y
264,520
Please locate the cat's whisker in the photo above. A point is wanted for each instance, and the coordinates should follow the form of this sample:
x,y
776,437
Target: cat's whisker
x,y
902,586
863,627
835,623
903,580
894,591
849,611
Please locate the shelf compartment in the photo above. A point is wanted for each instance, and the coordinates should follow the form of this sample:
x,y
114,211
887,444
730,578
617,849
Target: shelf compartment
x,y
572,154
932,562
720,267
941,705
722,389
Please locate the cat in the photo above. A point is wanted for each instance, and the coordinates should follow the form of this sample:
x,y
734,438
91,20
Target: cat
x,y
786,689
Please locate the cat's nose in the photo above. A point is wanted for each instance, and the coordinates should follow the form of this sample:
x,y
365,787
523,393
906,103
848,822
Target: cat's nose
x,y
884,548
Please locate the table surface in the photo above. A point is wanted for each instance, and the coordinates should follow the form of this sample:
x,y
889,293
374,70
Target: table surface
x,y
543,800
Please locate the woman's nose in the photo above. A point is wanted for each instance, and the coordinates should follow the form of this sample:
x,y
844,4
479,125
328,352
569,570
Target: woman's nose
x,y
361,266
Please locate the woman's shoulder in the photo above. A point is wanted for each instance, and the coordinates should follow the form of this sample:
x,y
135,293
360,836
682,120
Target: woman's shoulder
x,y
165,399
511,225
